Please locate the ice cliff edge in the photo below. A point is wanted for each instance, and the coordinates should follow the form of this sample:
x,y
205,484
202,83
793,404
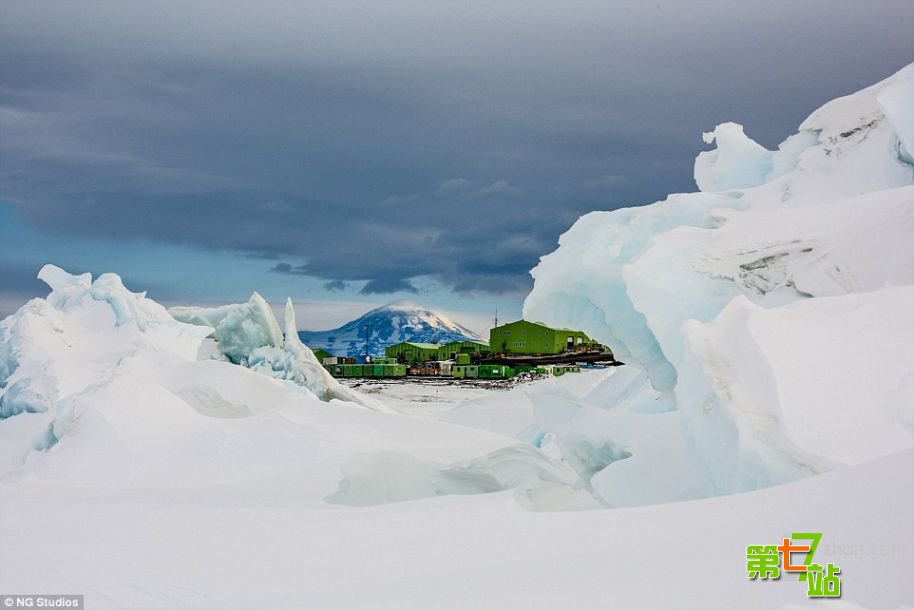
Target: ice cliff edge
x,y
774,307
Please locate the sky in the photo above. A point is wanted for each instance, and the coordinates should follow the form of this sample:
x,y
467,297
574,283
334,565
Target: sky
x,y
347,154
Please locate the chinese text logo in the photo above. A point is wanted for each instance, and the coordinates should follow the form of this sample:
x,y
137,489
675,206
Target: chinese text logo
x,y
766,562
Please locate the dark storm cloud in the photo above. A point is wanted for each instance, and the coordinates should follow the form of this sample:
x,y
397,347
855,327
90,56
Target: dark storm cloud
x,y
388,286
287,268
21,279
19,282
382,142
262,256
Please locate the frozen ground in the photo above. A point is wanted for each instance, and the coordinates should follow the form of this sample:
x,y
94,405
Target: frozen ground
x,y
428,396
422,397
274,542
201,458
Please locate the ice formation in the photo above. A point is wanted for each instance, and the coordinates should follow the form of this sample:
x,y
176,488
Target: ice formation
x,y
293,361
248,334
395,477
631,454
238,329
737,162
91,351
773,310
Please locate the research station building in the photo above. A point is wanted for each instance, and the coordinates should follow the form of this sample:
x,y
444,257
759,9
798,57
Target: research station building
x,y
523,337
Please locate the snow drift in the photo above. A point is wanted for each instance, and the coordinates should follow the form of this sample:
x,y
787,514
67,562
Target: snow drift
x,y
131,375
774,309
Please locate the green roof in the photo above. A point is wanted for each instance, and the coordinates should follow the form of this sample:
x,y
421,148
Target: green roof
x,y
419,345
526,322
546,326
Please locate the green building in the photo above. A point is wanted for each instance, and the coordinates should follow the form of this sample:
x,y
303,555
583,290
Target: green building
x,y
413,352
383,360
495,371
466,371
449,351
366,370
523,337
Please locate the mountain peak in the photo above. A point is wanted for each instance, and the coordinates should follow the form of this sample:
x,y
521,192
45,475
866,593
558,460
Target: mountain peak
x,y
402,305
386,325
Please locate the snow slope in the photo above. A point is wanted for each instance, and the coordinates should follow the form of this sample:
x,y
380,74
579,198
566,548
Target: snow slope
x,y
387,325
773,309
272,542
117,369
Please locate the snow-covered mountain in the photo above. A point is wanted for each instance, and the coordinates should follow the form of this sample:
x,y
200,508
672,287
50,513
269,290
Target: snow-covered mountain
x,y
387,325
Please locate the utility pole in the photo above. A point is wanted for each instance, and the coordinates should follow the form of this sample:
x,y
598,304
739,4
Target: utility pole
x,y
367,336
496,316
